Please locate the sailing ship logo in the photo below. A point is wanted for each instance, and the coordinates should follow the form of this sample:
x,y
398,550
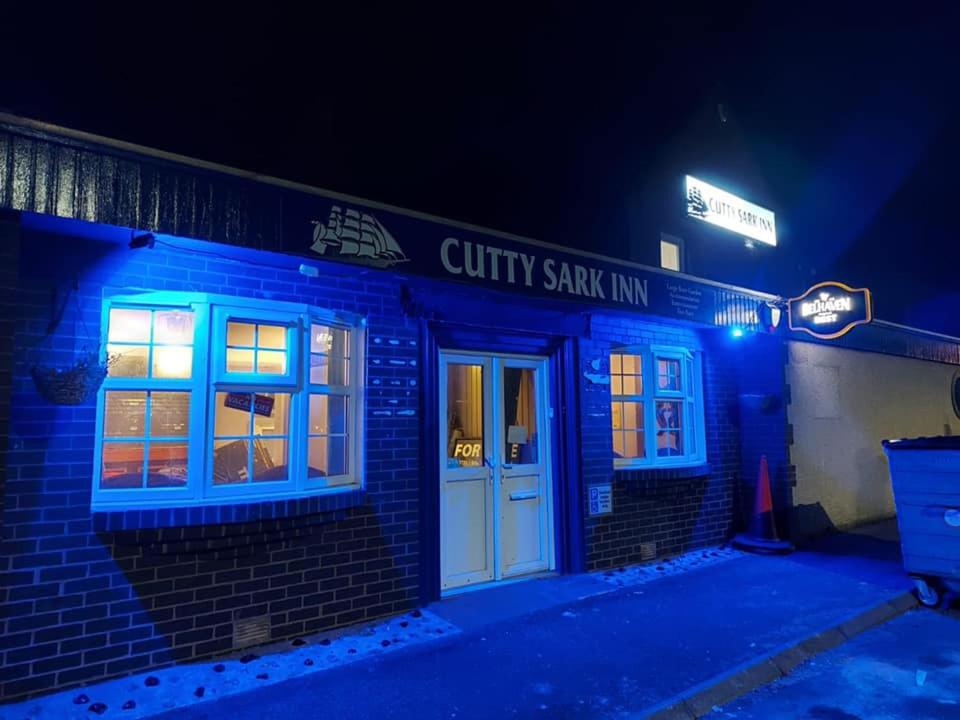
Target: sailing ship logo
x,y
696,205
358,236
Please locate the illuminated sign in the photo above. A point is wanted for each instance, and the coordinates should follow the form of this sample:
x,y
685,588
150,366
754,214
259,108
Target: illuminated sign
x,y
718,207
830,309
469,452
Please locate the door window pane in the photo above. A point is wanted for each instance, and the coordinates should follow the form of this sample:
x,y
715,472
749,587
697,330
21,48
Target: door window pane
x,y
465,441
520,415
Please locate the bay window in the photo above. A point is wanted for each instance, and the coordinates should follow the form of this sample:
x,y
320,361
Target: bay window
x,y
212,400
656,396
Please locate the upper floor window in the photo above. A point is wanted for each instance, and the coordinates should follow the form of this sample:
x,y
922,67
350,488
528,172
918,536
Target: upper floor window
x,y
212,400
671,252
656,398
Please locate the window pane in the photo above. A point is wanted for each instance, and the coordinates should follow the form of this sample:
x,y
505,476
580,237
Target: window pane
x,y
329,340
167,464
628,444
128,325
172,361
632,385
241,334
326,370
616,364
327,456
271,413
633,445
328,414
616,385
232,414
269,460
631,364
122,465
616,414
668,374
239,361
272,336
669,433
520,415
125,414
669,255
271,362
173,327
231,461
169,414
465,444
632,416
127,360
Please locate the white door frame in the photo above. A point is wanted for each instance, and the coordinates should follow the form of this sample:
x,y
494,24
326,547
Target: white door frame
x,y
494,471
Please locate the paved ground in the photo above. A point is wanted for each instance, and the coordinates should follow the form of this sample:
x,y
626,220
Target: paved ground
x,y
907,669
604,656
574,647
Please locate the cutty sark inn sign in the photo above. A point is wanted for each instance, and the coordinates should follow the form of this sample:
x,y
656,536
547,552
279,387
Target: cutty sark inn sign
x,y
830,309
334,230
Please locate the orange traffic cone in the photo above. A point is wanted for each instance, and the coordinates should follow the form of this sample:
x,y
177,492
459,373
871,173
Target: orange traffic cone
x,y
762,535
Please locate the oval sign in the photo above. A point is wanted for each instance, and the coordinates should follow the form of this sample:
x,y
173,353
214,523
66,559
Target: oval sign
x,y
830,309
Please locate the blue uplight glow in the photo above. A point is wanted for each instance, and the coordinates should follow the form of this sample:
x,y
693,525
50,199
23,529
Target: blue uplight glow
x,y
736,332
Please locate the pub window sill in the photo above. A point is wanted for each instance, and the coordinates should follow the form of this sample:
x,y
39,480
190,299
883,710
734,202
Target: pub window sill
x,y
106,518
649,472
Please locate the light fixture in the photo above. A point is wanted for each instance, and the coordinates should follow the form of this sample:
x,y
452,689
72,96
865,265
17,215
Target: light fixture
x,y
736,332
147,239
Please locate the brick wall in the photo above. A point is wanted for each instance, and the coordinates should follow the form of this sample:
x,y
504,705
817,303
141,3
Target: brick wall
x,y
677,509
764,430
82,604
9,267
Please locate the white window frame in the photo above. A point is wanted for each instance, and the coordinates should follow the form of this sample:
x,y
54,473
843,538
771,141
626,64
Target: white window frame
x,y
690,395
209,376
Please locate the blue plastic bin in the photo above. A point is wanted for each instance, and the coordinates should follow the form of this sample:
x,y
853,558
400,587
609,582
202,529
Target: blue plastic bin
x,y
925,473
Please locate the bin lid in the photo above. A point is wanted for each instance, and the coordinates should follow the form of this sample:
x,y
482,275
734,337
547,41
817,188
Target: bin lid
x,y
941,442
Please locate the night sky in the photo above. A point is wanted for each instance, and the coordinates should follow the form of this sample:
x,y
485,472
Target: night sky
x,y
557,121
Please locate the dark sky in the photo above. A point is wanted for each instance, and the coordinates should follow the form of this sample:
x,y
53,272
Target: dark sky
x,y
555,121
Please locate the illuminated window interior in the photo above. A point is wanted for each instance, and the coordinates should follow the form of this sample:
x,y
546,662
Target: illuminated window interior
x,y
656,407
246,420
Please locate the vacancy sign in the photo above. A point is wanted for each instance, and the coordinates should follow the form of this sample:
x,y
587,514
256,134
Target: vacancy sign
x,y
718,207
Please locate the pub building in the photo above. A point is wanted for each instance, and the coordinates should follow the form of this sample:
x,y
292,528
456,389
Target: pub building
x,y
229,400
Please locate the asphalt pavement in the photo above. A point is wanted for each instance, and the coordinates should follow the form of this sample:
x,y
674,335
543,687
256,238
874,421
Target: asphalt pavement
x,y
906,669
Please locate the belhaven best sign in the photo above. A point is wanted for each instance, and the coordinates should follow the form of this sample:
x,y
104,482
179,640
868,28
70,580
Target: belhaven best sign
x,y
830,309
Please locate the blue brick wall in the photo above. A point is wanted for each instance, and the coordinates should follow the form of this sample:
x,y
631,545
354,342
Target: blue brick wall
x,y
85,599
764,428
677,509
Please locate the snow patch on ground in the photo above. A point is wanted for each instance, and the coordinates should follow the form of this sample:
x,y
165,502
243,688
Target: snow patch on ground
x,y
158,691
641,574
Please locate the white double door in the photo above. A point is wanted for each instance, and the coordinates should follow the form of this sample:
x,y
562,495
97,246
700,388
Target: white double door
x,y
496,509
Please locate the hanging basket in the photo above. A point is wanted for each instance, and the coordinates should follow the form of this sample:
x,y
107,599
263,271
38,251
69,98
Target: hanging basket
x,y
72,385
